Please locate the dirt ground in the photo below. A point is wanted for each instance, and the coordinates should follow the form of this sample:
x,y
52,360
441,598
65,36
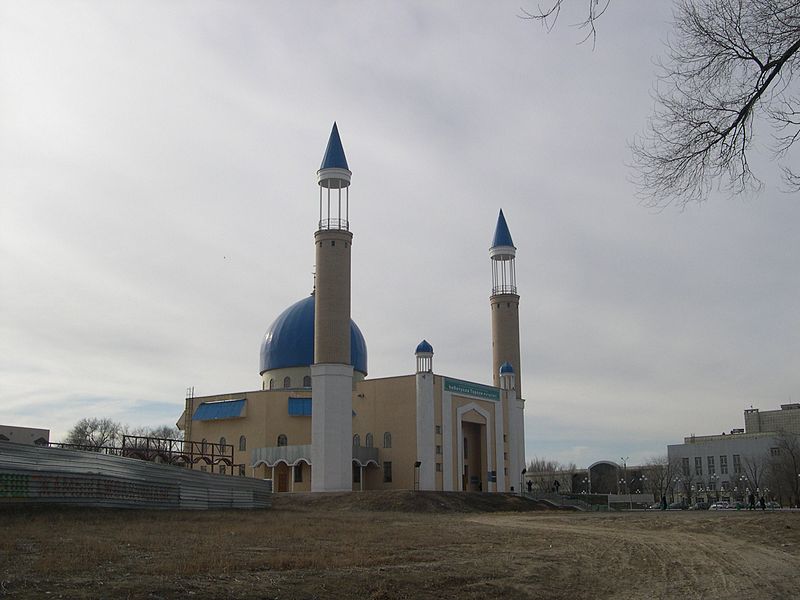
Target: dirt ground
x,y
398,545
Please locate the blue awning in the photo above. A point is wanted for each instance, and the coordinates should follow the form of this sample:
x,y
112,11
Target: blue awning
x,y
299,407
226,409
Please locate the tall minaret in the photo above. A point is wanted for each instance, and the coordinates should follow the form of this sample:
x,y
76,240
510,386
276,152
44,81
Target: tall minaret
x,y
505,304
332,373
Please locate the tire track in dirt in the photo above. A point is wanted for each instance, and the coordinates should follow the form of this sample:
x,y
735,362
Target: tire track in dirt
x,y
665,562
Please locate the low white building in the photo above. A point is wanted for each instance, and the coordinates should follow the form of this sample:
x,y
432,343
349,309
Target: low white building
x,y
731,466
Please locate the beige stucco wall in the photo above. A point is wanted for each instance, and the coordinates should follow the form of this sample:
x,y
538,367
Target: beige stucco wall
x,y
380,406
266,417
388,404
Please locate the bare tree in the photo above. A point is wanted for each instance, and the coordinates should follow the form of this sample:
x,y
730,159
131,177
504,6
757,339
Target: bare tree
x,y
728,72
95,433
544,472
548,15
660,472
784,468
755,470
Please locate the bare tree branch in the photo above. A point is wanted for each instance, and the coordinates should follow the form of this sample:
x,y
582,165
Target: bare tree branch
x,y
728,69
548,16
728,73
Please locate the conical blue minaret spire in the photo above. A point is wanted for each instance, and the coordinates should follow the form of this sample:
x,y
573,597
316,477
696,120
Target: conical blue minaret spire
x,y
502,236
334,154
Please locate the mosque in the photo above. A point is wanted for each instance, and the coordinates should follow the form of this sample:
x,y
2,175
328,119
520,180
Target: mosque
x,y
318,423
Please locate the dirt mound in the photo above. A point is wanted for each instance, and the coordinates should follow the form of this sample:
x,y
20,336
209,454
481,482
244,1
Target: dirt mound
x,y
407,501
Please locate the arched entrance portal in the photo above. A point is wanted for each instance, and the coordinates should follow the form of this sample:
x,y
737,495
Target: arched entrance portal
x,y
472,447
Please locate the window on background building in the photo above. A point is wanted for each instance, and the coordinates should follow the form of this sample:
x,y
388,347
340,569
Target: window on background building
x,y
298,473
356,474
368,440
505,455
203,468
505,471
737,463
387,472
271,384
438,429
307,381
356,441
698,465
775,452
723,464
387,440
438,449
242,443
712,486
287,382
438,467
283,440
725,485
505,437
711,469
685,466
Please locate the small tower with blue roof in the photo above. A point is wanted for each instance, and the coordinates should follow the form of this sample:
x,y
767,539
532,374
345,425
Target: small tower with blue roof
x,y
426,417
332,371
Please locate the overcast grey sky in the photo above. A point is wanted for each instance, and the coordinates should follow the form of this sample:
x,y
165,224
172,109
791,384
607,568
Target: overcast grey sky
x,y
158,202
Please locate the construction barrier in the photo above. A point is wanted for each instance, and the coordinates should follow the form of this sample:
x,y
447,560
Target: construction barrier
x,y
36,474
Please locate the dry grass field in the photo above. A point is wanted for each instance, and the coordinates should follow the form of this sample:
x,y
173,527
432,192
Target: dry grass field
x,y
397,545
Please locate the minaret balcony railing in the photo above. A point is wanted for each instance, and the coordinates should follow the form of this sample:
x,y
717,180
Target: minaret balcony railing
x,y
504,289
334,224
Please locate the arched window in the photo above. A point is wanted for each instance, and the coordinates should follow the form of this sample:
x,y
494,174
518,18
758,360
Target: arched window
x,y
271,383
287,382
222,442
282,441
204,446
307,381
368,441
242,443
356,441
387,440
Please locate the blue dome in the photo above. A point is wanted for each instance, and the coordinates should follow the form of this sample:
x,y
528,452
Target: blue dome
x,y
289,341
424,347
506,368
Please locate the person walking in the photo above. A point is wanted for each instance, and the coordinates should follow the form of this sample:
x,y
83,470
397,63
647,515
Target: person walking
x,y
762,503
751,502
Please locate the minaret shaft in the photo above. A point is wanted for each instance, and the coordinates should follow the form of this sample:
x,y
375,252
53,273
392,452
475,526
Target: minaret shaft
x,y
332,297
505,336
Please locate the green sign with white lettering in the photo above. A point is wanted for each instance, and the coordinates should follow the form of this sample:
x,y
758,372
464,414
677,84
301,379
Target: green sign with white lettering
x,y
467,388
